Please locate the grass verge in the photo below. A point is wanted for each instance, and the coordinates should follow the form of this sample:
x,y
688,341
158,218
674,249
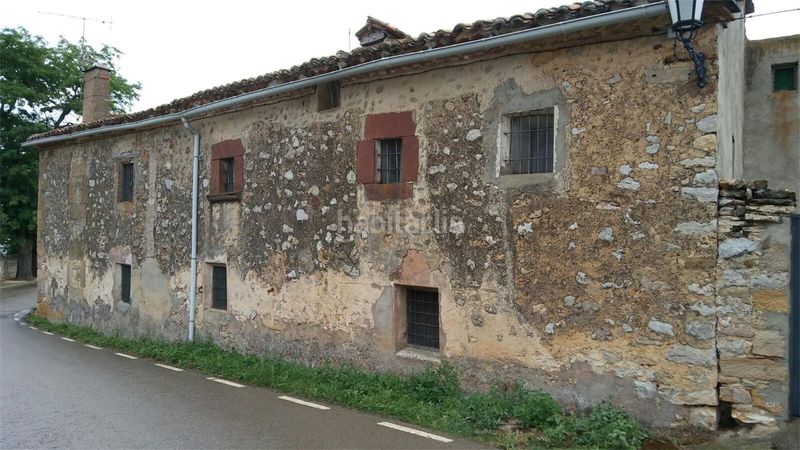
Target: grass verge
x,y
507,417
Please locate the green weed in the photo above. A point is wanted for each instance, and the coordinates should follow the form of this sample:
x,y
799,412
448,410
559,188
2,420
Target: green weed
x,y
506,417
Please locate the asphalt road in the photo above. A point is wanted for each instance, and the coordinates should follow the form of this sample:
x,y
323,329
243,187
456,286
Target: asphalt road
x,y
57,393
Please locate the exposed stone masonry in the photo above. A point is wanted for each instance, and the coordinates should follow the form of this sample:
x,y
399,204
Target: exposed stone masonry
x,y
753,302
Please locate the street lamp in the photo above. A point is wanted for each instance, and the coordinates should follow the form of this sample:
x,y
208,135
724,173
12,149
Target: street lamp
x,y
685,15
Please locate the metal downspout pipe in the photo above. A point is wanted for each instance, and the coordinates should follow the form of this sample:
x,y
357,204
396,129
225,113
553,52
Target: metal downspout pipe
x,y
193,269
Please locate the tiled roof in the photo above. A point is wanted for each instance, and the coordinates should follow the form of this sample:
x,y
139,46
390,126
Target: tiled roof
x,y
462,32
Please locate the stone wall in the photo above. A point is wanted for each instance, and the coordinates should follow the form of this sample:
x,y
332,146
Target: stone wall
x,y
595,282
8,267
753,303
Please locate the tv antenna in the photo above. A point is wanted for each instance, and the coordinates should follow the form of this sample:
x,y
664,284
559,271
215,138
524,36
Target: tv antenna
x,y
83,19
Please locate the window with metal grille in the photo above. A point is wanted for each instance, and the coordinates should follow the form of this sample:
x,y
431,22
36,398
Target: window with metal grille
x,y
126,182
389,160
219,287
125,283
531,142
422,318
226,168
784,77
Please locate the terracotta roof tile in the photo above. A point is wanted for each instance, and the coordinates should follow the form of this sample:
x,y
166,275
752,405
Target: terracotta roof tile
x,y
462,32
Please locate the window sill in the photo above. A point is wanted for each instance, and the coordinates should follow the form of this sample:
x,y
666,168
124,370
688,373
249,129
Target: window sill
x,y
513,181
124,207
419,354
391,191
224,197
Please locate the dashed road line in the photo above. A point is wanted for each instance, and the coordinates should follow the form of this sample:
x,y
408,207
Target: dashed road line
x,y
93,346
164,366
126,356
67,339
32,328
229,383
47,333
416,432
302,402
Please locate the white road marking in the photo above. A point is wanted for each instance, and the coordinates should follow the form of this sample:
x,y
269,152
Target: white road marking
x,y
126,356
47,333
413,431
229,383
16,318
164,366
32,328
302,402
93,346
67,339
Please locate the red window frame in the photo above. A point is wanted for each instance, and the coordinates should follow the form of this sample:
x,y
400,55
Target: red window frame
x,y
231,149
395,125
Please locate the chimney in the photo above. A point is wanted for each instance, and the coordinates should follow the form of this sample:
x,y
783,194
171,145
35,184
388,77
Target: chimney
x,y
377,31
96,93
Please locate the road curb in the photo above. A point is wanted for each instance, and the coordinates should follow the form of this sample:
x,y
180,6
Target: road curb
x,y
5,286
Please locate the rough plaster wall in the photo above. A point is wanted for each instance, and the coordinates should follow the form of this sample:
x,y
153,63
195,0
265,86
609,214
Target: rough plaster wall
x,y
772,131
593,284
731,140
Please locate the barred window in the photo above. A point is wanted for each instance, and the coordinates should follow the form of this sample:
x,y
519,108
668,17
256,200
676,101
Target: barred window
x,y
125,283
219,287
125,182
389,160
531,142
226,168
422,317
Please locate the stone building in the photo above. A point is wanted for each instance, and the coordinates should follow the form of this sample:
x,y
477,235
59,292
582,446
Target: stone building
x,y
533,198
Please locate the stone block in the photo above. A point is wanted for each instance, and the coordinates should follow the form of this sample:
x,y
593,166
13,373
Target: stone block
x,y
703,417
660,327
645,389
773,300
730,248
702,397
707,143
701,330
753,368
775,280
685,354
769,343
735,394
751,415
733,346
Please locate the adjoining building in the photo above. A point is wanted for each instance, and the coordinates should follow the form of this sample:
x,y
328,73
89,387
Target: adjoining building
x,y
536,198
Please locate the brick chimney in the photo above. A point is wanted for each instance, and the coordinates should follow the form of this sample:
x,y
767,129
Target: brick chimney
x,y
96,93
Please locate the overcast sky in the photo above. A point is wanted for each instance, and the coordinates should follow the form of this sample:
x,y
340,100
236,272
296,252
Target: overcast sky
x,y
177,48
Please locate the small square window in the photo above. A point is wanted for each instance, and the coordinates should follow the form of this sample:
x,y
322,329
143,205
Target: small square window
x,y
226,168
388,160
784,77
422,318
219,287
125,182
328,95
125,283
531,140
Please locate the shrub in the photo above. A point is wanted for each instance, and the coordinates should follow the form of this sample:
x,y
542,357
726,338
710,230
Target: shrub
x,y
529,408
435,385
609,427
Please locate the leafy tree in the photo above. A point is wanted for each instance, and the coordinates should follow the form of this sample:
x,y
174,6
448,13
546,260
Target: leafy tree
x,y
40,89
